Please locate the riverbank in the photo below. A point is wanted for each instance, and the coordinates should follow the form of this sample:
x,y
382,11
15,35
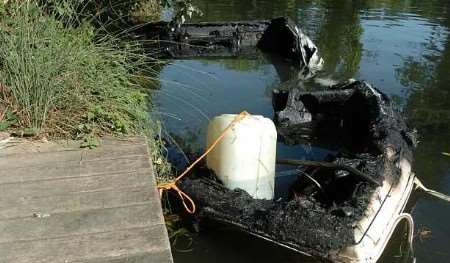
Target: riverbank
x,y
62,76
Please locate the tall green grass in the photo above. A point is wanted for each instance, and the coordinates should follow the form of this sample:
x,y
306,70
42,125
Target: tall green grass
x,y
62,79
66,81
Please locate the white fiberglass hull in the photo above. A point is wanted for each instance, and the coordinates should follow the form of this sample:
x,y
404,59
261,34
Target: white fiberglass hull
x,y
385,211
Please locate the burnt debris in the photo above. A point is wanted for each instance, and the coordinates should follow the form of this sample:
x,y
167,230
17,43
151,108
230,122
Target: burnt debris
x,y
302,222
354,113
285,38
221,39
230,39
323,204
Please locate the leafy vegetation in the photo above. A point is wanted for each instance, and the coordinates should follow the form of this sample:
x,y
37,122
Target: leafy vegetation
x,y
60,78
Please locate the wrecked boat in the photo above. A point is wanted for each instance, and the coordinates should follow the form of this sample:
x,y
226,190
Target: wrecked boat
x,y
341,209
280,37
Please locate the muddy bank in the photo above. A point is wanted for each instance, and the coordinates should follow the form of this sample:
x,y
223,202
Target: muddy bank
x,y
323,204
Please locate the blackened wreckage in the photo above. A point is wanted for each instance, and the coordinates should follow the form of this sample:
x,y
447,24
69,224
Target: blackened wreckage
x,y
331,211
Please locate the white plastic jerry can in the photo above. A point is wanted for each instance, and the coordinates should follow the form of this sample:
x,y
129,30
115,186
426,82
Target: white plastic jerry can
x,y
245,157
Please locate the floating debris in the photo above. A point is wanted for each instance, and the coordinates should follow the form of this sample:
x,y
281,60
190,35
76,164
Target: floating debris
x,y
278,37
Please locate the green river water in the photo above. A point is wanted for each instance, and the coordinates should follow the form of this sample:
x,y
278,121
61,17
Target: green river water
x,y
400,46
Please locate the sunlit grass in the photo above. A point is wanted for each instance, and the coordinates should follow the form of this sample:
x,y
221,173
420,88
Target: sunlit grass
x,y
61,78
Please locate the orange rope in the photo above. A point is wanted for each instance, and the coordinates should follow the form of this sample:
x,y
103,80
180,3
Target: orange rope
x,y
172,184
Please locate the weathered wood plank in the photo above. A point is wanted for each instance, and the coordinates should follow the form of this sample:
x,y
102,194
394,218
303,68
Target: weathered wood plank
x,y
148,243
60,158
69,202
73,169
152,257
78,223
65,204
24,146
74,184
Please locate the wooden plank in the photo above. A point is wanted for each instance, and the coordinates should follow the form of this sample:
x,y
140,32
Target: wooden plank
x,y
68,202
153,257
148,243
60,158
73,185
77,223
24,146
73,169
63,204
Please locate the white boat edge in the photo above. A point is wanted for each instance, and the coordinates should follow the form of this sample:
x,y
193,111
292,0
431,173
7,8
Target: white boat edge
x,y
385,210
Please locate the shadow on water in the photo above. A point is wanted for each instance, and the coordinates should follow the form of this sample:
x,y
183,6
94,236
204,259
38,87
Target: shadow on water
x,y
401,46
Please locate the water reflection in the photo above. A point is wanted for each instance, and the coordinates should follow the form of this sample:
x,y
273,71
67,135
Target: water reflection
x,y
339,38
401,46
195,90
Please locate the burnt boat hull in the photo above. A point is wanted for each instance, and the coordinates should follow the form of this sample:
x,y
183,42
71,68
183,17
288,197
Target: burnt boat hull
x,y
205,39
354,221
385,211
279,36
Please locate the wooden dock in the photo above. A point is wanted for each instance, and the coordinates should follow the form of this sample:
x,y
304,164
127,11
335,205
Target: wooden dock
x,y
60,203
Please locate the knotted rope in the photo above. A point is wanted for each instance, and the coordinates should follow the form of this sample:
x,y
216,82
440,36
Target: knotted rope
x,y
172,185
